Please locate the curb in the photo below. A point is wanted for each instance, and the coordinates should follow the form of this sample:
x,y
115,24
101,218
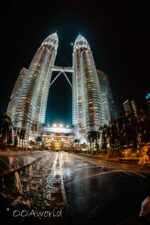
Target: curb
x,y
144,171
119,160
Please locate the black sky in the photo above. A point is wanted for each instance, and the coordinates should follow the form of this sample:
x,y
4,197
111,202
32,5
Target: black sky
x,y
118,33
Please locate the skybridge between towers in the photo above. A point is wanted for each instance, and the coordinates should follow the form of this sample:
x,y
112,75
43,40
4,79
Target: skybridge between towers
x,y
62,70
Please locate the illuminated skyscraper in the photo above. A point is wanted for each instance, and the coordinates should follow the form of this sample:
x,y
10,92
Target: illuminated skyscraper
x,y
86,89
31,107
11,109
130,108
108,107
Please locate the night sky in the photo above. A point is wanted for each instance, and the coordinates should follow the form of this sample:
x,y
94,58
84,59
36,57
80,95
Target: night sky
x,y
118,34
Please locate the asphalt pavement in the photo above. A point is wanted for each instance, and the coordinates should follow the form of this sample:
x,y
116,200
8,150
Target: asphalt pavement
x,y
82,189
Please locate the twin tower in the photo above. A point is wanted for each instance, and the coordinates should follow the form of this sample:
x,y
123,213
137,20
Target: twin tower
x,y
28,103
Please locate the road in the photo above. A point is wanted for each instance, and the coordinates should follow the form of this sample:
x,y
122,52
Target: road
x,y
76,190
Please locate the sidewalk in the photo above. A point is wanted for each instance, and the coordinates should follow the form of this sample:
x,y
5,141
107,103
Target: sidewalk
x,y
132,160
127,164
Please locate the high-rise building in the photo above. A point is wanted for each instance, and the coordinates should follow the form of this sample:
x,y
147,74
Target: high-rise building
x,y
11,109
86,89
31,106
93,104
108,107
130,108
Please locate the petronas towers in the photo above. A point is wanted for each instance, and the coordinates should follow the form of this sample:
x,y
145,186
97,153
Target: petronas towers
x,y
28,102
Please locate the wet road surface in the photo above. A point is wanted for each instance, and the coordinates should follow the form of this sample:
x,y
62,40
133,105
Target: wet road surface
x,y
76,190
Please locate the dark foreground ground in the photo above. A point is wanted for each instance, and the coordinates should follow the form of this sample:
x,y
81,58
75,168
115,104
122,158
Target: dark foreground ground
x,y
70,189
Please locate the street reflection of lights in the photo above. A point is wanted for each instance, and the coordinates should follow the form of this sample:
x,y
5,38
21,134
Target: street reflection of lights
x,y
54,164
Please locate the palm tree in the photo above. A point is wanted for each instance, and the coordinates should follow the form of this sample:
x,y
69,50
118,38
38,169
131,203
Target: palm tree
x,y
76,142
89,138
93,137
114,134
5,128
39,139
104,137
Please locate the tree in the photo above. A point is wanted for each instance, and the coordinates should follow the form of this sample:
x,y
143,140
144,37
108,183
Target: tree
x,y
15,141
114,134
39,139
5,128
76,141
103,131
92,137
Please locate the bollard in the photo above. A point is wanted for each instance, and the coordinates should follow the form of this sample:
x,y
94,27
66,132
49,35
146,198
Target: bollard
x,y
30,170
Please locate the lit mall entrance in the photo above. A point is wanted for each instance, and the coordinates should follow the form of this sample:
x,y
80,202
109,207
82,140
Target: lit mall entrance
x,y
58,137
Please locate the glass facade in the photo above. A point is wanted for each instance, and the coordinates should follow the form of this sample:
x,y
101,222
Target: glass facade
x,y
86,90
11,109
30,107
108,107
